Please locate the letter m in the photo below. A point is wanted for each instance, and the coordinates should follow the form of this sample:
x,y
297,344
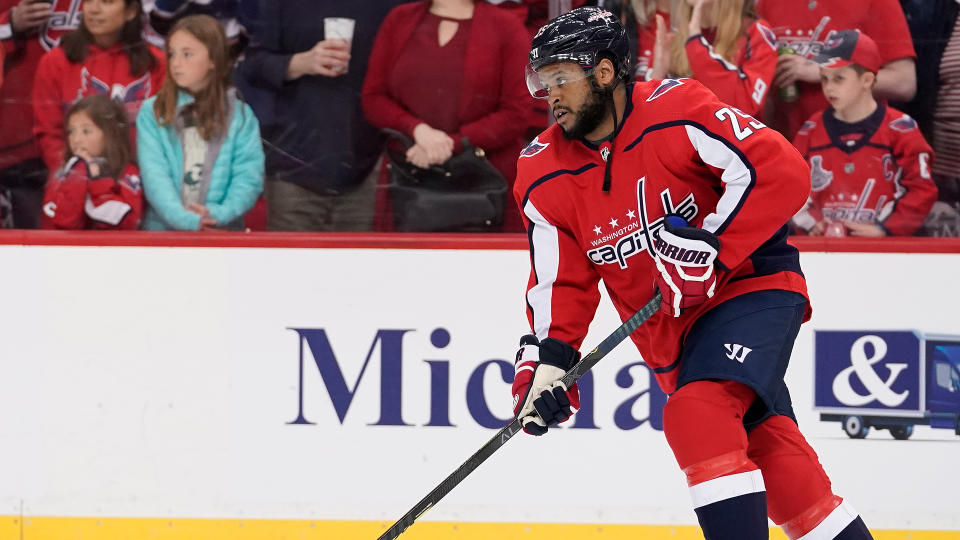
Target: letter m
x,y
341,394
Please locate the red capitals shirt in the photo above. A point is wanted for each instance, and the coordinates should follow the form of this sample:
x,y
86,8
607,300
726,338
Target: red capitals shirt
x,y
23,54
74,200
804,27
60,83
678,150
873,171
743,83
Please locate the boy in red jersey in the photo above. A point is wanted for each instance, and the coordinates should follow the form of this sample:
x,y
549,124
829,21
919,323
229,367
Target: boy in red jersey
x,y
869,163
660,186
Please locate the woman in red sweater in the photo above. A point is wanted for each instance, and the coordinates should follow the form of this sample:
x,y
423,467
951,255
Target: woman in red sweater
x,y
106,55
442,70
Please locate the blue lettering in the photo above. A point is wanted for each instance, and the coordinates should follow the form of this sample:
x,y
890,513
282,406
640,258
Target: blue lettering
x,y
439,382
623,416
584,417
391,359
477,402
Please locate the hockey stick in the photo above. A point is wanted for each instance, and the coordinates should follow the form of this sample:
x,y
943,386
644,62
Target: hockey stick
x,y
514,427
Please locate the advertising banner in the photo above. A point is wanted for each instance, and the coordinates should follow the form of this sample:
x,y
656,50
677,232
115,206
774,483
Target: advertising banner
x,y
342,385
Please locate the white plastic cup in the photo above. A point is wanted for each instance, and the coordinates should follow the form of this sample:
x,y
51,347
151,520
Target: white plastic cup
x,y
339,28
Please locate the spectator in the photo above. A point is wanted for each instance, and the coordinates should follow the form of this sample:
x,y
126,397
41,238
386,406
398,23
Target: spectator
x,y
805,28
320,149
106,55
869,163
165,13
722,44
98,186
639,17
198,144
28,29
443,70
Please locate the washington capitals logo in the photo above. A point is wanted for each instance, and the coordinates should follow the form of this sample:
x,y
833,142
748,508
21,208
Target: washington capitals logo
x,y
768,36
904,124
665,86
134,92
60,22
534,148
601,14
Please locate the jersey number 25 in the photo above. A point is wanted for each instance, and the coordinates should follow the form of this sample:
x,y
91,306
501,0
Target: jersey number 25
x,y
734,115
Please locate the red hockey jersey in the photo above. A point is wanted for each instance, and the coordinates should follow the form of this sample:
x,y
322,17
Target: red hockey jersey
x,y
23,54
678,150
873,171
60,83
743,84
73,200
805,26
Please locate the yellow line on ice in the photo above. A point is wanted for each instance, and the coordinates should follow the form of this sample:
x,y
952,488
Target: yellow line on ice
x,y
63,528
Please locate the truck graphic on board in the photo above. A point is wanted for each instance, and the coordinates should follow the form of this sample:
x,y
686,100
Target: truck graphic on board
x,y
890,380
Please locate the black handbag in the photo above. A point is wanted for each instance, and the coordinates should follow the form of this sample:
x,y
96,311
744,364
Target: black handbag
x,y
465,193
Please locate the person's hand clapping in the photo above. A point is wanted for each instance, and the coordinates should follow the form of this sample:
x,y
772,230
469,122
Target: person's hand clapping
x,y
696,17
328,58
661,51
437,145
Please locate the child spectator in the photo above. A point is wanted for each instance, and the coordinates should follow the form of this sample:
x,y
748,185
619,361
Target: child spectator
x,y
802,30
722,44
98,186
869,163
198,144
106,55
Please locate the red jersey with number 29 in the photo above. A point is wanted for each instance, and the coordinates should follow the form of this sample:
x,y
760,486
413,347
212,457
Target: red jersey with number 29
x,y
678,150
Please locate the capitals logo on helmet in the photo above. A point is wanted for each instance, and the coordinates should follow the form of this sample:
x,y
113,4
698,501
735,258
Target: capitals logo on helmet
x,y
904,124
582,36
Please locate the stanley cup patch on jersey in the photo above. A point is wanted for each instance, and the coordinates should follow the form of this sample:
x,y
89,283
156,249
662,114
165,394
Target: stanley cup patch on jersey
x,y
617,238
820,178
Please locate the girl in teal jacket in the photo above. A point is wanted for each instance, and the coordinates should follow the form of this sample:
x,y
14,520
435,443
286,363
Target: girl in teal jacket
x,y
201,159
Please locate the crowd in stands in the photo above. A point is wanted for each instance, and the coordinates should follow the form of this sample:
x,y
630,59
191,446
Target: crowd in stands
x,y
275,115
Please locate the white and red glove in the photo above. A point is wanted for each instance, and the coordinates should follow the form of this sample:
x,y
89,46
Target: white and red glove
x,y
540,400
685,258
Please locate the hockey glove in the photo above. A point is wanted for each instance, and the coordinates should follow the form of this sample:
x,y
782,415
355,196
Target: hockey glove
x,y
685,259
540,400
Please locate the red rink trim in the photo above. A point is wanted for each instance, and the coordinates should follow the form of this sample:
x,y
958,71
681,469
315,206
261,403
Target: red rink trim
x,y
511,241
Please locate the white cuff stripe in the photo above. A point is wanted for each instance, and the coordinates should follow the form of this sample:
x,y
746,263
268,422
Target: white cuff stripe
x,y
110,212
726,487
834,523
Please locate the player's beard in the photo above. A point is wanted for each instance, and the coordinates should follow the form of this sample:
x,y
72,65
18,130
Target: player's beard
x,y
590,115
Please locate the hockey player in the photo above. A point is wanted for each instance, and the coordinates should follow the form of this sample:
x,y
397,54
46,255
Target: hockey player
x,y
869,163
658,185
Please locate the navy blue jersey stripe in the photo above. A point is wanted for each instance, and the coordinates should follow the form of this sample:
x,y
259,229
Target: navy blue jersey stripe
x,y
554,174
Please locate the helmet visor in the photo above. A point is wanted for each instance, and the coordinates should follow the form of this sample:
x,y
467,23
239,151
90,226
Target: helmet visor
x,y
555,75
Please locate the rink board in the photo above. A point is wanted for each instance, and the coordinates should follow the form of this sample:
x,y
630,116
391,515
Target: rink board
x,y
157,393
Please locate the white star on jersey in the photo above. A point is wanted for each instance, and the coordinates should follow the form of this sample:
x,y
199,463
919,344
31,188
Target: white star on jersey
x,y
613,223
597,230
631,214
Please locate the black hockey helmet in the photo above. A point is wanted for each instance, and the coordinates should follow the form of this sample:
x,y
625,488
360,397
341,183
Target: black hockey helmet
x,y
583,35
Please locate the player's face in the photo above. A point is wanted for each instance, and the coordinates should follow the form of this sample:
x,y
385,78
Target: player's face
x,y
574,102
844,87
84,137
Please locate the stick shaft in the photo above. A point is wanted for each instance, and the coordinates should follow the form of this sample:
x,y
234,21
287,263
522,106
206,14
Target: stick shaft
x,y
505,434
